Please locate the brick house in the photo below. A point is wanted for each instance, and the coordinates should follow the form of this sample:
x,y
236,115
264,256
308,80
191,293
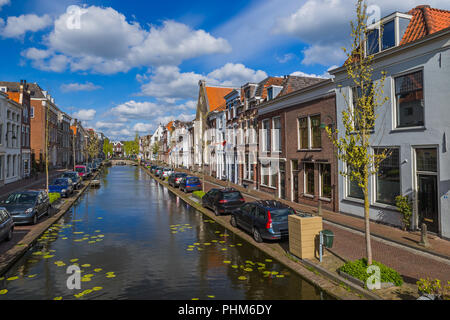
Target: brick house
x,y
42,104
293,149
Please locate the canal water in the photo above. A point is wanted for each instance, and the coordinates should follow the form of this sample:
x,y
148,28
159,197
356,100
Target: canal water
x,y
133,239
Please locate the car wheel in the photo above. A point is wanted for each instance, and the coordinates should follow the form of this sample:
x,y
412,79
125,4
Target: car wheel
x,y
10,235
257,235
35,219
233,221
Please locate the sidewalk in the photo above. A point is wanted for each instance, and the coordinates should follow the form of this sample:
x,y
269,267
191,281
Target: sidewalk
x,y
391,246
28,183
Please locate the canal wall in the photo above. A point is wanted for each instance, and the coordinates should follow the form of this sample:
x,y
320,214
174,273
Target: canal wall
x,y
339,288
9,258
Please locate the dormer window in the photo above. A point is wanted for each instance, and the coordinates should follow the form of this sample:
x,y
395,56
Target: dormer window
x,y
386,33
273,92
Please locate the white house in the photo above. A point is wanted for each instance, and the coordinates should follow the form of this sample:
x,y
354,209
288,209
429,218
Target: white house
x,y
414,124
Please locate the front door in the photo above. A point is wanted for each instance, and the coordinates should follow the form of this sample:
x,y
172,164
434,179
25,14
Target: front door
x,y
282,180
428,202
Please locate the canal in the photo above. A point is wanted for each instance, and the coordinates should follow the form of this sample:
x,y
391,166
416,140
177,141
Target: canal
x,y
133,239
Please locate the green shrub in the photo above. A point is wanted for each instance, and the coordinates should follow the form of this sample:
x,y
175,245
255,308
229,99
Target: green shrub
x,y
198,194
404,205
358,270
53,197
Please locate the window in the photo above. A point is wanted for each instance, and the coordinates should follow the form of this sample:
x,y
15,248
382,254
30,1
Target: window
x,y
325,180
309,178
353,189
388,35
32,112
358,112
270,93
265,170
409,100
266,135
372,41
316,133
426,160
276,134
388,177
303,133
269,173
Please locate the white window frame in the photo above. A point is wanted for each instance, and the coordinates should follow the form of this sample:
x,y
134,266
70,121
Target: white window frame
x,y
274,138
305,181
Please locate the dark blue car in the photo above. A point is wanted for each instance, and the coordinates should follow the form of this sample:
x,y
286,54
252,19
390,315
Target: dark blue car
x,y
190,184
63,186
265,220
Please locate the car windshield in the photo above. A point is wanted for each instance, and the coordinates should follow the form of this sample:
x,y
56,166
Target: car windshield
x,y
279,215
60,182
21,198
193,180
80,169
232,195
69,175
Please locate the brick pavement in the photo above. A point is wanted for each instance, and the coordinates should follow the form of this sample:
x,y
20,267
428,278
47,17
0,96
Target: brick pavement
x,y
350,244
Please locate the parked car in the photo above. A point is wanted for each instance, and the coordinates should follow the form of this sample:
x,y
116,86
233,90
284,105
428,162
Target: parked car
x,y
82,171
153,168
63,186
190,184
223,201
158,171
27,206
266,220
76,179
6,225
175,179
167,172
91,167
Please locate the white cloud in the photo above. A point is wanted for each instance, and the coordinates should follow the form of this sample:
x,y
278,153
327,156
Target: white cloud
x,y
4,3
36,54
324,25
85,114
75,87
107,43
235,75
169,84
16,27
143,127
138,110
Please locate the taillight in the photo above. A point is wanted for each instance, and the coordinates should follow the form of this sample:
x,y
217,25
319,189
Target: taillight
x,y
269,221
223,201
242,200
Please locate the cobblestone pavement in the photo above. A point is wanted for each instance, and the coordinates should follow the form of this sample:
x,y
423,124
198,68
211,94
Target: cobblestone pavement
x,y
411,264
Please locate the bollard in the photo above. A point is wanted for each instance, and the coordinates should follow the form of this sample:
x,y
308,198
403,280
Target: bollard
x,y
424,236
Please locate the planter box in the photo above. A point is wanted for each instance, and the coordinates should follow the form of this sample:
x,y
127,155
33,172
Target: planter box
x,y
384,285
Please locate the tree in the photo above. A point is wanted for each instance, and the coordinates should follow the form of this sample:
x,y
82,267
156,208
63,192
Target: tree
x,y
353,145
107,147
92,147
155,148
131,148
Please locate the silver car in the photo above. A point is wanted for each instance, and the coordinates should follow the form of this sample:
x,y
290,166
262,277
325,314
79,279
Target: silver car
x,y
6,225
167,172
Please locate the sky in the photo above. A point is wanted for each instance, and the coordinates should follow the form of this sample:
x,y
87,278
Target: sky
x,y
123,67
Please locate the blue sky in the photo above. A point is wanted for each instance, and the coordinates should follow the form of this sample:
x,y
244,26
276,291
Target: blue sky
x,y
126,66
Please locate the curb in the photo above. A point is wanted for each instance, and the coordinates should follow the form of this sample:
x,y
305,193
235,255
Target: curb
x,y
320,281
16,252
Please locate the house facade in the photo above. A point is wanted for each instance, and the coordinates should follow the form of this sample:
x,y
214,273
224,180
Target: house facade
x,y
10,140
413,125
297,160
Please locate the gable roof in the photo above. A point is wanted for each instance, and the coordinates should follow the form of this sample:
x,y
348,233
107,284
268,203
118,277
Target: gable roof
x,y
216,96
294,83
425,21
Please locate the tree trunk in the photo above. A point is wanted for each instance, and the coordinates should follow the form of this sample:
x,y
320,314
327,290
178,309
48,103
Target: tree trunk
x,y
367,225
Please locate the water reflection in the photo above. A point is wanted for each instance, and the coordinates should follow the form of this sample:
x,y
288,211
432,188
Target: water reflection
x,y
155,245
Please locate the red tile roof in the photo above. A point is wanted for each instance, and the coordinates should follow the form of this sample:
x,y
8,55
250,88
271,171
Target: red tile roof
x,y
170,126
425,21
215,96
